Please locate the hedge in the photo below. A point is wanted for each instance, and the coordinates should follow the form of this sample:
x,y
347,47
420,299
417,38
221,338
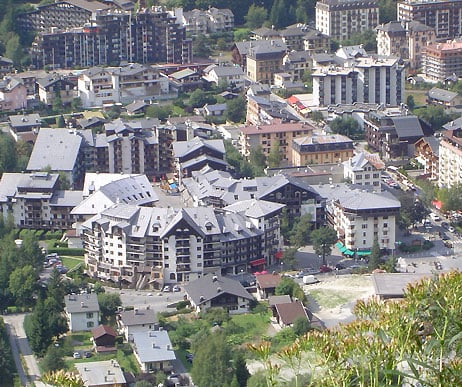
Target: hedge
x,y
67,251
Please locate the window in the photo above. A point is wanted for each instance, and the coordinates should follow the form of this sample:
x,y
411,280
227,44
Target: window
x,y
364,234
364,226
90,324
89,314
385,225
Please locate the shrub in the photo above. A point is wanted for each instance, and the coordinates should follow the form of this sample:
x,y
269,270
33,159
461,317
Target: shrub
x,y
67,251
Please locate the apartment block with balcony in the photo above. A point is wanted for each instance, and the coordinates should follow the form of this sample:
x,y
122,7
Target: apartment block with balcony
x,y
340,19
360,216
450,158
427,154
442,60
264,59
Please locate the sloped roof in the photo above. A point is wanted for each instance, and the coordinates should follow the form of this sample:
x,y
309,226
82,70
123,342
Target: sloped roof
x,y
183,148
266,281
153,346
81,303
407,126
288,312
284,299
442,94
138,317
102,330
254,208
19,120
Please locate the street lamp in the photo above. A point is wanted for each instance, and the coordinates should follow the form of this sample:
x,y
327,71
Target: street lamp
x,y
282,266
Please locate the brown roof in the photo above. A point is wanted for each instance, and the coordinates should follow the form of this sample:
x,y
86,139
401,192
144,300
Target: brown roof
x,y
289,312
266,281
102,330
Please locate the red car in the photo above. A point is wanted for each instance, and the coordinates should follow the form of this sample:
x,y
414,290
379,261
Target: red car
x,y
325,269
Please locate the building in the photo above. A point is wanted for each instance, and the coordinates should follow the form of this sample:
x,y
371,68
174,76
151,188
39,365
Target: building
x,y
364,169
111,37
13,94
101,373
231,76
393,285
360,216
442,16
264,59
266,109
266,285
427,154
140,245
441,97
103,337
153,350
35,201
340,19
82,311
24,125
136,321
392,134
56,86
358,77
287,313
6,66
216,291
450,158
392,40
201,22
321,149
441,61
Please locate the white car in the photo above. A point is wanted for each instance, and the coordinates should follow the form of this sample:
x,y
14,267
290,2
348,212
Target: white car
x,y
166,288
76,355
451,229
176,288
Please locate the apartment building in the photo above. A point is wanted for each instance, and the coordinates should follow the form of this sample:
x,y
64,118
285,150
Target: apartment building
x,y
35,201
427,154
54,86
321,149
264,59
364,169
444,16
165,245
265,136
13,94
98,86
360,216
201,22
359,78
442,60
340,19
114,36
265,108
450,158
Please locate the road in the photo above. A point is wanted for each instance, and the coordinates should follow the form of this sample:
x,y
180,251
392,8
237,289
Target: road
x,y
20,347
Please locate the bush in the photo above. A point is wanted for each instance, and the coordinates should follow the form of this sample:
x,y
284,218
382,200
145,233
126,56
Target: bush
x,y
67,251
182,305
53,235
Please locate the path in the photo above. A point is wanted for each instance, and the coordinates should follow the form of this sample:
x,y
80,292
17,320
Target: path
x,y
20,346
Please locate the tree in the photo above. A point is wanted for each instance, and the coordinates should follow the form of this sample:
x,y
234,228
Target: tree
x,y
257,160
201,47
367,38
274,157
387,11
323,239
6,359
242,374
60,121
234,158
412,211
38,330
435,116
288,257
256,16
216,316
7,153
53,359
410,102
348,127
451,198
108,304
301,326
236,109
211,366
374,258
198,98
285,287
22,285
317,116
301,231
162,112
62,378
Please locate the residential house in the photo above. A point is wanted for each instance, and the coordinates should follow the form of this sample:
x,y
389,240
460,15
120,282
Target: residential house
x,y
153,350
186,80
201,22
136,107
441,97
55,86
274,300
360,216
231,76
265,33
340,19
269,109
215,110
6,66
22,126
364,169
103,337
321,149
264,59
442,61
13,94
216,291
266,285
427,154
419,36
393,285
82,311
297,63
104,373
287,313
450,158
286,81
136,321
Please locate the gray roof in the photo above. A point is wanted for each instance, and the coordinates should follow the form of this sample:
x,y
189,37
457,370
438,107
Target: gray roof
x,y
284,299
394,284
55,148
254,208
138,317
10,183
262,47
81,303
415,25
225,71
211,286
92,6
441,94
392,26
100,373
19,120
456,124
135,106
66,198
153,346
407,126
360,160
434,144
183,148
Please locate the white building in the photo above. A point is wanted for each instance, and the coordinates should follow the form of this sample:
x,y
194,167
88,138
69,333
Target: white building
x,y
101,373
364,169
82,311
134,321
153,350
450,158
232,76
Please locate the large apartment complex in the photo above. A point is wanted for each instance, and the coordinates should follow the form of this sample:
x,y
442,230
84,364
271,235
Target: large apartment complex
x,y
450,158
443,60
340,19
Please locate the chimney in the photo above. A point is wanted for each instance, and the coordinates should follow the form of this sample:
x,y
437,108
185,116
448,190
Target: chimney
x,y
82,304
136,311
214,278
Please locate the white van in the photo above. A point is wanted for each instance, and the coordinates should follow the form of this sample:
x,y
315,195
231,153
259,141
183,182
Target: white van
x,y
309,279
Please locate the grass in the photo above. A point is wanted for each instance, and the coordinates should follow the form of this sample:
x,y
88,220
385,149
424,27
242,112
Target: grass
x,y
71,262
419,96
328,298
247,327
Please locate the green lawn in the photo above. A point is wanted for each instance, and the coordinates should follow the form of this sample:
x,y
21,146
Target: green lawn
x,y
419,96
247,327
328,298
71,262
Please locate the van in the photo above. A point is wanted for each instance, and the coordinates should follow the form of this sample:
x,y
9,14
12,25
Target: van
x,y
309,279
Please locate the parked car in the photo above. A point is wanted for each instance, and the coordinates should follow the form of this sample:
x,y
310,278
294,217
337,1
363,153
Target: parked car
x,y
451,229
176,288
445,225
325,269
87,354
166,288
76,355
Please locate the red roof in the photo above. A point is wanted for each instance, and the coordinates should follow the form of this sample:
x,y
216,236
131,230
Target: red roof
x,y
102,330
266,281
290,311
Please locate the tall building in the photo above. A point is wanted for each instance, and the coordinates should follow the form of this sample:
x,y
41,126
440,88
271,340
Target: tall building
x,y
113,36
445,16
340,19
443,60
264,59
450,158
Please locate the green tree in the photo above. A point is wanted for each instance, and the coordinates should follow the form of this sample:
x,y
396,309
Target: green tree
x,y
435,116
412,211
201,47
7,153
451,198
301,326
13,48
242,374
60,121
216,316
236,109
108,304
256,16
22,285
323,239
234,158
374,258
211,366
288,257
387,11
53,359
367,38
410,102
162,112
317,116
348,127
257,160
62,378
301,231
6,359
274,157
38,330
143,383
285,287
198,98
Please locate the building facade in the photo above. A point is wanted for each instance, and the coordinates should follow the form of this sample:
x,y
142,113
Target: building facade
x,y
364,169
427,154
339,19
450,158
442,60
264,59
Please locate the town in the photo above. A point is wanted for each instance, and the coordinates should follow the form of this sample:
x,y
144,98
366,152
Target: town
x,y
230,193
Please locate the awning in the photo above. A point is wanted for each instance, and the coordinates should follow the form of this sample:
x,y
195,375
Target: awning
x,y
278,255
340,247
363,253
349,252
257,262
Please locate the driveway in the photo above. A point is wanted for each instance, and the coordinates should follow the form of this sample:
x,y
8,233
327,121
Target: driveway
x,y
20,348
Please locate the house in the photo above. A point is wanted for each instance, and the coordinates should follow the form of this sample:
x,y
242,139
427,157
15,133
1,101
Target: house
x,y
216,291
103,337
274,300
136,107
82,311
22,125
269,109
53,86
153,350
266,285
13,94
135,321
232,76
427,154
186,80
105,373
264,59
287,313
393,285
6,66
441,97
364,169
216,110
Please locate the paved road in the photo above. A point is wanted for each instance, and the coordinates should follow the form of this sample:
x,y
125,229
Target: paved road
x,y
20,346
